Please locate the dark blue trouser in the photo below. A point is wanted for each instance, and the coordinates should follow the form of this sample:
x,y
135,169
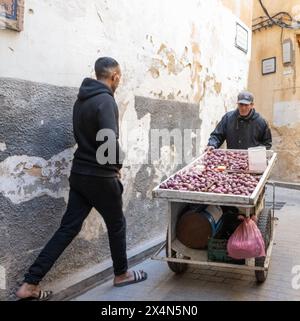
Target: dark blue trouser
x,y
86,192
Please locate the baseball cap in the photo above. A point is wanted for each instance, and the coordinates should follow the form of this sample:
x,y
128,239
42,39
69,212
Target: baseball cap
x,y
245,97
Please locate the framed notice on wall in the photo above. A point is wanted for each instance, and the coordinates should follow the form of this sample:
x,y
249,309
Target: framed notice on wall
x,y
268,65
241,38
11,14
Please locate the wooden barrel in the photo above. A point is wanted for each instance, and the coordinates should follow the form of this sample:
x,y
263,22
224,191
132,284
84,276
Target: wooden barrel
x,y
194,228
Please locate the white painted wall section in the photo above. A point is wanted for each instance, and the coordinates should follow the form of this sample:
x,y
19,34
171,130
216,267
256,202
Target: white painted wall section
x,y
167,49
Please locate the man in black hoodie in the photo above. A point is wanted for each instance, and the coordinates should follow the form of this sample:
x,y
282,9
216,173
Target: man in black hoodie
x,y
242,128
94,181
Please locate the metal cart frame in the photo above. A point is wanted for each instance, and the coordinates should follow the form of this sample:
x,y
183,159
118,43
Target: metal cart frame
x,y
253,204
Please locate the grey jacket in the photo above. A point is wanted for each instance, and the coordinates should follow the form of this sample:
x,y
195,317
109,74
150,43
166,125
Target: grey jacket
x,y
241,132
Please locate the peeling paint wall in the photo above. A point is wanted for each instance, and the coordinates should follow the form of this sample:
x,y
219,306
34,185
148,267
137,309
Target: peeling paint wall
x,y
181,69
277,95
242,9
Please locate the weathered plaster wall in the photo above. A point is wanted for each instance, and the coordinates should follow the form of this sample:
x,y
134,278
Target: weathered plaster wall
x,y
242,9
277,95
181,69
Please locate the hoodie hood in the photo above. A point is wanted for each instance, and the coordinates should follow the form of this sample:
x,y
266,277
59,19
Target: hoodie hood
x,y
251,116
91,87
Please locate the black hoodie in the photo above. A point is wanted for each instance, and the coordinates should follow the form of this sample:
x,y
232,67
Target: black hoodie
x,y
95,109
241,132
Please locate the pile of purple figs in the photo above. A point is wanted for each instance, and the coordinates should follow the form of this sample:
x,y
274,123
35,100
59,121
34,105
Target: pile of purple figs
x,y
219,171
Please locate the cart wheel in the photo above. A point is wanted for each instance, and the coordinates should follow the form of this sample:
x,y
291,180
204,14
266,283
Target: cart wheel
x,y
174,266
265,226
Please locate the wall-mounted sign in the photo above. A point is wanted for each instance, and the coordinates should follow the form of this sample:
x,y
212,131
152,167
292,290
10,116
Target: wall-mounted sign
x,y
287,51
11,14
268,65
241,38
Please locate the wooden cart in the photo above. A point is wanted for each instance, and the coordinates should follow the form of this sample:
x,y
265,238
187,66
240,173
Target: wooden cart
x,y
178,256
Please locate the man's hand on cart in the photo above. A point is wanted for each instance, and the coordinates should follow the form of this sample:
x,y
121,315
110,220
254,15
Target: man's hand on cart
x,y
209,148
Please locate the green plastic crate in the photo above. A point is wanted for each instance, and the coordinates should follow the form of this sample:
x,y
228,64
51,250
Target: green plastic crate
x,y
217,252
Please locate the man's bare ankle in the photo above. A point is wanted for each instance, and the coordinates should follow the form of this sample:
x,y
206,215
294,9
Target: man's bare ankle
x,y
26,289
123,276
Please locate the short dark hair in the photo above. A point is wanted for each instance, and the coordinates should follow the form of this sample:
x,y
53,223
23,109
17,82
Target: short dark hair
x,y
104,67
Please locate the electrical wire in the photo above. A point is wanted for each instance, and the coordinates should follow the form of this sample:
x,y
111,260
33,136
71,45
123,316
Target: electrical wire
x,y
267,22
277,14
267,19
281,24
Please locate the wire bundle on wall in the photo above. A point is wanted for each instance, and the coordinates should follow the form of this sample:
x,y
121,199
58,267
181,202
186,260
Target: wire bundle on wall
x,y
282,19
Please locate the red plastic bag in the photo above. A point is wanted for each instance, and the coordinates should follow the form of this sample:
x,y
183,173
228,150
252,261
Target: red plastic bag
x,y
246,241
